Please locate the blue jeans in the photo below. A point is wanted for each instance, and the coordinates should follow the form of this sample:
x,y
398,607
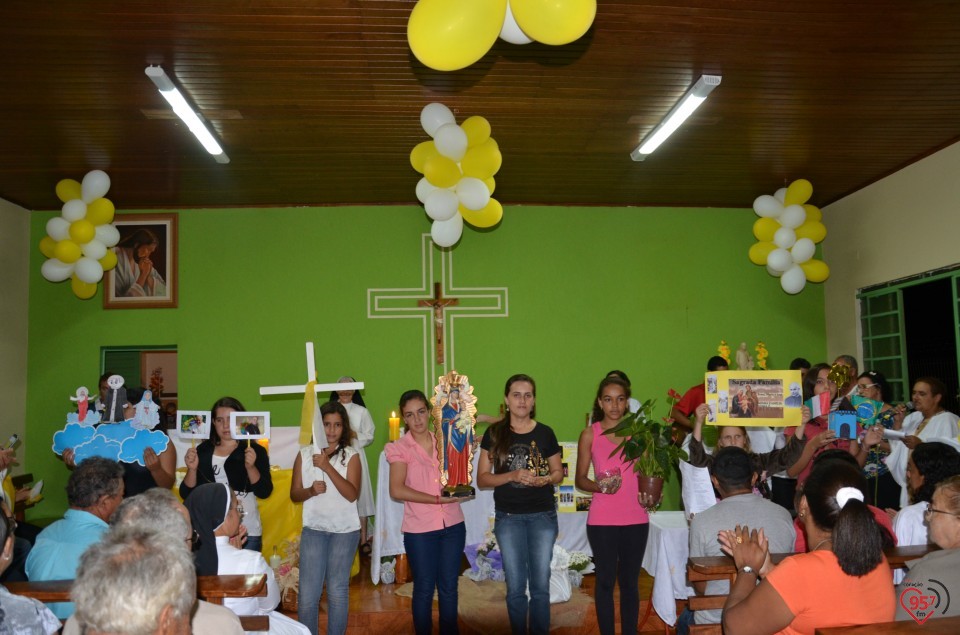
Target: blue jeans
x,y
434,558
526,544
329,556
254,543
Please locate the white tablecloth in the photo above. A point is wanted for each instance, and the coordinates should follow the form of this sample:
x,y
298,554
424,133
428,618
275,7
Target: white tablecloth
x,y
478,514
665,558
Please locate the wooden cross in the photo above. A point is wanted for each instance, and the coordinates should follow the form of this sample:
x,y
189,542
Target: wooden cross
x,y
311,376
438,303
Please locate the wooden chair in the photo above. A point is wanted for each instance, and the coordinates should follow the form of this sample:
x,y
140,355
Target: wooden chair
x,y
211,588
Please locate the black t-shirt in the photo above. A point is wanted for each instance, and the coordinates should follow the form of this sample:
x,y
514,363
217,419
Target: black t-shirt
x,y
526,451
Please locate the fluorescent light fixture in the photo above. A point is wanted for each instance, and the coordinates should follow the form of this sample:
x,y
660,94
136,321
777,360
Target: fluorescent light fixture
x,y
187,114
690,101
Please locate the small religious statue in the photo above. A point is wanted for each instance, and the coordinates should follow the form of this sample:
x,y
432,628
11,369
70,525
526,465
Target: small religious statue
x,y
537,465
116,399
454,408
744,361
147,413
83,403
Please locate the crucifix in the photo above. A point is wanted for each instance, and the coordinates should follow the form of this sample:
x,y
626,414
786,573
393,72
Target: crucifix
x,y
438,303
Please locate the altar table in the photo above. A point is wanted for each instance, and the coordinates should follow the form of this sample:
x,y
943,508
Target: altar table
x,y
665,558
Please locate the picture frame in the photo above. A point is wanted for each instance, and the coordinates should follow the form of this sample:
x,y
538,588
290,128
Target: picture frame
x,y
753,398
193,424
249,425
150,238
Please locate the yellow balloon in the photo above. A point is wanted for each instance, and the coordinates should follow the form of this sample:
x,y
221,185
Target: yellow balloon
x,y
109,261
554,21
486,217
759,252
82,231
764,228
81,289
100,211
813,213
816,270
477,130
814,230
491,184
448,35
441,171
798,193
67,251
47,246
482,161
68,189
420,153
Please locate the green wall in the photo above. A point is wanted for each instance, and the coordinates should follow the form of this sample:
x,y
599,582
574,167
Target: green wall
x,y
650,291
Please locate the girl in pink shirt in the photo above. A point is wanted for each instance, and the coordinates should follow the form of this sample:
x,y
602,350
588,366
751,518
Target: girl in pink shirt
x,y
617,522
434,533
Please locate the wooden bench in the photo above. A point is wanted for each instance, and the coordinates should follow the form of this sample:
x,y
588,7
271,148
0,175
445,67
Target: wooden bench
x,y
211,588
933,626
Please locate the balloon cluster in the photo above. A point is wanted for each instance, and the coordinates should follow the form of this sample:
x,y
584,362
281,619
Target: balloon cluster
x,y
78,241
788,230
457,165
448,35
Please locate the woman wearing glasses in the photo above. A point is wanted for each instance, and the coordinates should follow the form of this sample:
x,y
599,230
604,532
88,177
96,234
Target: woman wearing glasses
x,y
943,519
883,491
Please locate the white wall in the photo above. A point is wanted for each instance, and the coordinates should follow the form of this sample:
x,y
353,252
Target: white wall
x,y
905,224
15,266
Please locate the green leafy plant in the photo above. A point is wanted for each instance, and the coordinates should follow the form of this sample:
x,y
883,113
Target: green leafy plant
x,y
647,441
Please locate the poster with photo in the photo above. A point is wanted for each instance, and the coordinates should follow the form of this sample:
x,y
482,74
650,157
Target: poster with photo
x,y
250,425
754,398
580,500
193,424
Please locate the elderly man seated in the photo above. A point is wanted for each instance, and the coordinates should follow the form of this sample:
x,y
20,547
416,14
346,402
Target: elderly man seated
x,y
158,510
94,491
135,582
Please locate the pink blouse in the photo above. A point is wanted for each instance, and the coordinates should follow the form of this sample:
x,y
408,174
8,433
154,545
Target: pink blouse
x,y
621,507
423,474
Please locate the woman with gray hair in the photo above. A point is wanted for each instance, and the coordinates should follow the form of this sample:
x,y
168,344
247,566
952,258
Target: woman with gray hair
x,y
135,583
20,614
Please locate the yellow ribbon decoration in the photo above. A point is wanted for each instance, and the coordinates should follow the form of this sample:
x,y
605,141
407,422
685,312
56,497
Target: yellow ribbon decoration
x,y
306,413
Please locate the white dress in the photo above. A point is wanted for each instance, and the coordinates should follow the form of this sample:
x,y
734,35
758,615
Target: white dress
x,y
941,427
909,528
233,561
362,425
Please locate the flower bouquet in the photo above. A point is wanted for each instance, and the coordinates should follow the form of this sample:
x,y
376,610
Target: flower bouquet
x,y
288,574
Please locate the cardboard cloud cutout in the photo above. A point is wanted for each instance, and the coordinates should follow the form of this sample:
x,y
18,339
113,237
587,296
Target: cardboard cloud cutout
x,y
132,449
117,432
97,446
73,435
118,442
92,418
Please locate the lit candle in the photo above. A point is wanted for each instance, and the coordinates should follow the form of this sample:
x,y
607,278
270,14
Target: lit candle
x,y
394,426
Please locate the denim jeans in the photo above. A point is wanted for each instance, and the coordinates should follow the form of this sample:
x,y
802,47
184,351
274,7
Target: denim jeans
x,y
325,555
434,558
526,544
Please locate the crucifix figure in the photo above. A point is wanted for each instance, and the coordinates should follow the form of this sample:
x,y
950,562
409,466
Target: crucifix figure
x,y
438,303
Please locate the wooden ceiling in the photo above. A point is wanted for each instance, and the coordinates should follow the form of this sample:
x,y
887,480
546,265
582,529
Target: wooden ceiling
x,y
317,102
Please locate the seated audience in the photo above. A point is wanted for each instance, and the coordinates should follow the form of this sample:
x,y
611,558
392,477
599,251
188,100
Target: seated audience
x,y
135,583
216,518
20,614
734,476
158,510
928,464
94,490
844,579
943,517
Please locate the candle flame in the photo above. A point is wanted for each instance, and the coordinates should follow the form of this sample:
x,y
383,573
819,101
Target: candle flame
x,y
393,414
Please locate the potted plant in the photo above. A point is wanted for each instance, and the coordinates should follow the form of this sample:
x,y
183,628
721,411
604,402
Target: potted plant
x,y
649,443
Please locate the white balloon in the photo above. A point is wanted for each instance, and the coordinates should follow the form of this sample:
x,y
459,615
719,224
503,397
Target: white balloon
x,y
424,188
473,193
793,280
58,228
780,195
89,270
451,141
802,250
95,185
767,206
784,238
74,210
94,249
55,270
774,272
107,234
511,31
779,260
433,116
441,205
446,233
793,216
